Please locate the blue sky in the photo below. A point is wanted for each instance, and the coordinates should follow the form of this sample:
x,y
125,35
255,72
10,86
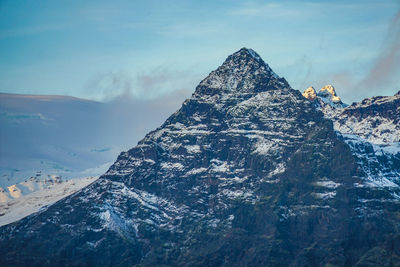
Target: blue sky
x,y
149,49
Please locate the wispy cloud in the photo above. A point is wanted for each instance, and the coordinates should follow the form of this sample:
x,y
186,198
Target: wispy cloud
x,y
108,85
382,73
129,118
369,73
140,102
386,68
159,81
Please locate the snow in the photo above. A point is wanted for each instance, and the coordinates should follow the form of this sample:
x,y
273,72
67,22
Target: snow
x,y
328,93
233,194
393,148
310,93
377,130
264,147
161,212
57,134
14,209
196,171
373,135
327,184
235,76
325,195
280,168
254,54
377,175
15,192
170,166
219,166
213,222
193,149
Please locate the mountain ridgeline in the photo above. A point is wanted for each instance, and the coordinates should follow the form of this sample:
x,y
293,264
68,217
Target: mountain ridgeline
x,y
248,172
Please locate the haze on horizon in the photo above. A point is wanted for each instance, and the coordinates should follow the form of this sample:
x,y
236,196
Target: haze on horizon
x,y
105,51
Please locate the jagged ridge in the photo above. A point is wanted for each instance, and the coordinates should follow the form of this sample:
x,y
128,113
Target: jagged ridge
x,y
372,130
247,172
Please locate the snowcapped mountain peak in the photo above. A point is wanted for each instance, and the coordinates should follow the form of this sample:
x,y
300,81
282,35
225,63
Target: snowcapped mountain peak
x,y
326,98
249,57
310,93
242,72
245,145
248,51
328,91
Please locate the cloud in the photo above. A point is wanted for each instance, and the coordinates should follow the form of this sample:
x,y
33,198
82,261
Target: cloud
x,y
385,70
127,119
104,86
143,85
138,103
161,80
381,75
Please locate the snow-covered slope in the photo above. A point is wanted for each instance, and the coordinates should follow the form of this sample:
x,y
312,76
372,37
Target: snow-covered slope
x,y
20,200
376,119
371,128
51,135
68,136
246,173
325,100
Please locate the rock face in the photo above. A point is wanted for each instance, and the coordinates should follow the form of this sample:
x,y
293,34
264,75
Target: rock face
x,y
329,92
310,93
372,130
375,119
247,173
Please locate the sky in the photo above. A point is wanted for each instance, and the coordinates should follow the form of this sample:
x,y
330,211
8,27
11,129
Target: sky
x,y
151,50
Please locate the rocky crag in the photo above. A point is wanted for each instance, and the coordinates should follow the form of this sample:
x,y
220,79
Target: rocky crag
x,y
247,172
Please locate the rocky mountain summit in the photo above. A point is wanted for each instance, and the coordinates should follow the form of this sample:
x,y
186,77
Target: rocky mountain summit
x,y
372,130
325,100
376,119
310,93
247,172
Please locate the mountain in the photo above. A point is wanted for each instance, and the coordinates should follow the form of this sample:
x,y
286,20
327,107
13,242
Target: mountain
x,y
20,200
372,130
246,173
51,135
67,136
325,100
375,119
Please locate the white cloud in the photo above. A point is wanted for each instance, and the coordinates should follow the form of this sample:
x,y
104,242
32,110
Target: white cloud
x,y
146,85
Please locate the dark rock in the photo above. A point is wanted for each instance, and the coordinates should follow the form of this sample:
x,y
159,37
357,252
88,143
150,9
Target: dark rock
x,y
246,173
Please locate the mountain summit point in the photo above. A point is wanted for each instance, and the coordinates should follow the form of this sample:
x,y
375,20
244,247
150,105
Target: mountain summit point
x,y
242,72
248,172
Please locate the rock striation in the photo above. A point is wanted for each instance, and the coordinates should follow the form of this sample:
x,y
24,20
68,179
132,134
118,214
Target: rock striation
x,y
246,173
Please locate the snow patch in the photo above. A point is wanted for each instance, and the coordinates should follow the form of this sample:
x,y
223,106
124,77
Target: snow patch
x,y
15,209
193,149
